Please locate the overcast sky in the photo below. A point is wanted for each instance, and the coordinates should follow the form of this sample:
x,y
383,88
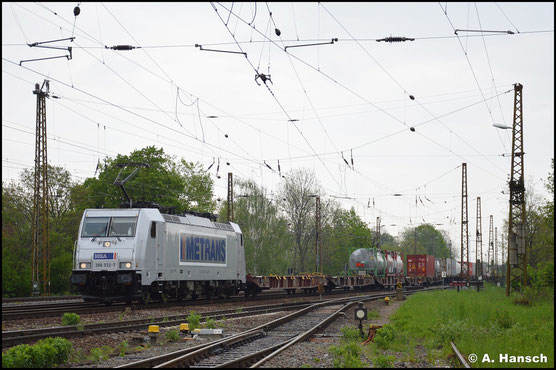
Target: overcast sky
x,y
348,99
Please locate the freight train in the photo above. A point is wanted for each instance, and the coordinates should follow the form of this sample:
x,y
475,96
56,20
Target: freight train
x,y
141,254
411,269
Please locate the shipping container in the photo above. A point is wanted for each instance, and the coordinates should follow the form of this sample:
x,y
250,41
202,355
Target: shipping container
x,y
420,265
449,266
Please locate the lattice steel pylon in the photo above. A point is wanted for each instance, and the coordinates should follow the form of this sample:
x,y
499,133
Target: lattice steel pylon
x,y
40,278
490,254
516,269
495,252
479,240
464,225
230,197
378,232
318,247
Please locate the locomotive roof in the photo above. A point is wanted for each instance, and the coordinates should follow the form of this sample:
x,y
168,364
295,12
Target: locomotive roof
x,y
187,219
200,221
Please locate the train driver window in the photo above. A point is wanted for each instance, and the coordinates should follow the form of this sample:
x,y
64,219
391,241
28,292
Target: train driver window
x,y
95,226
123,226
153,229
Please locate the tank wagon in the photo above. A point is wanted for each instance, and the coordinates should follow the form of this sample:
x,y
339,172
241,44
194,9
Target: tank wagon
x,y
128,254
383,268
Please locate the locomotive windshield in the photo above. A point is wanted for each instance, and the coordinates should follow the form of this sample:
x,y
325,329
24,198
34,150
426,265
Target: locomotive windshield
x,y
108,226
122,226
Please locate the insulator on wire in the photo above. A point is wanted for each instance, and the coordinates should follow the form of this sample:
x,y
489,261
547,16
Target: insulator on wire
x,y
121,47
395,39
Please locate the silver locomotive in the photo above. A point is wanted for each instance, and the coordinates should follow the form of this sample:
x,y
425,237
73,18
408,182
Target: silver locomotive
x,y
142,254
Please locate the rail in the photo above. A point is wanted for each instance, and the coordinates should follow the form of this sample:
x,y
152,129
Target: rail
x,y
459,356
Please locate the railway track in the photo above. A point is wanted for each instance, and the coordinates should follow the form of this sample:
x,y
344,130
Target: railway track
x,y
14,337
259,344
41,299
16,312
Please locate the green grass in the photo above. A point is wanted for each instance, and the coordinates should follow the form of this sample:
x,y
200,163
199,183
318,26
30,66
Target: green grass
x,y
485,322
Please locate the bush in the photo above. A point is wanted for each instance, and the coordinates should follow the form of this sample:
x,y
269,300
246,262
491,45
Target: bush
x,y
542,276
347,355
210,323
172,335
350,333
70,319
102,353
502,319
448,331
123,347
372,314
44,354
193,320
522,300
384,361
384,336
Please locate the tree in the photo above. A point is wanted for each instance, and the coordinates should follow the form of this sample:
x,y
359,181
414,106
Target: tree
x,y
16,240
296,198
343,234
540,223
265,232
179,184
424,239
17,213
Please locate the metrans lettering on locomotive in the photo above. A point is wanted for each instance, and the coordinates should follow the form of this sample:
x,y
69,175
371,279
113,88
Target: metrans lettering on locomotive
x,y
200,248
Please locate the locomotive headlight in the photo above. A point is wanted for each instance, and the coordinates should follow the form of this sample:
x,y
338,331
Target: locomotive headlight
x,y
126,265
85,265
106,243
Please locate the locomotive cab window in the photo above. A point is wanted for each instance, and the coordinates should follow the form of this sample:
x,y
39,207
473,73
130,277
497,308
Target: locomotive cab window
x,y
122,226
109,226
153,229
95,226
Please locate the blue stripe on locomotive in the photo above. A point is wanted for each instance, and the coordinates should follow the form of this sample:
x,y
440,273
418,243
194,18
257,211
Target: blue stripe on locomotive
x,y
197,248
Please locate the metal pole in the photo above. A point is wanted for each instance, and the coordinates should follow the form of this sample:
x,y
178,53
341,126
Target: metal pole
x,y
479,241
318,251
464,225
230,198
517,256
415,253
40,227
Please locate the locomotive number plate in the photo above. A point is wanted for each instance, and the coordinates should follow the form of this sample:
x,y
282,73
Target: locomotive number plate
x,y
105,265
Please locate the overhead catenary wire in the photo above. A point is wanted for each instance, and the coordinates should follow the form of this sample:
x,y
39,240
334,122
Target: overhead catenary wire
x,y
474,75
124,109
120,76
277,101
170,80
326,75
305,90
208,110
405,91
